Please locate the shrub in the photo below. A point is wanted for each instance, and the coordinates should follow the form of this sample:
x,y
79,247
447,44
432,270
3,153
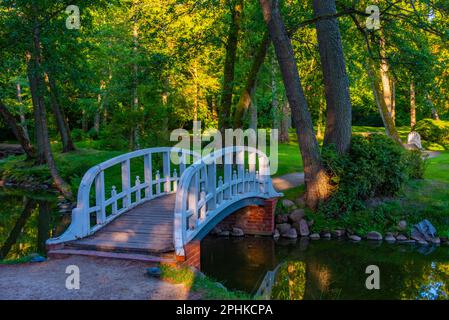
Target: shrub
x,y
78,135
434,131
374,167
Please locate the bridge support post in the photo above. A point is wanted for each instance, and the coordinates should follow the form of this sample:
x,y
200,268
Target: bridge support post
x,y
192,255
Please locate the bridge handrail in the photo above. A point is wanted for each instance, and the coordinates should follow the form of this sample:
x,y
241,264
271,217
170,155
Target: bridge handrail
x,y
81,225
196,205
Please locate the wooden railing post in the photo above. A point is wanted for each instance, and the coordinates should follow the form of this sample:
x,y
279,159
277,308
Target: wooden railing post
x,y
148,175
227,175
240,159
100,198
193,199
166,171
211,185
126,183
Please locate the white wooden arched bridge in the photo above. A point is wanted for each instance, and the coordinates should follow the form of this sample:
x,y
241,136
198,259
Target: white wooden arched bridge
x,y
157,216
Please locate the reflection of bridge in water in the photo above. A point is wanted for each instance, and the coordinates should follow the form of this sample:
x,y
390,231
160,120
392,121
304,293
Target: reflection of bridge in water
x,y
163,216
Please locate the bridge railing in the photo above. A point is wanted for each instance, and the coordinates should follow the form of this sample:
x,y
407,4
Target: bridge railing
x,y
201,195
96,207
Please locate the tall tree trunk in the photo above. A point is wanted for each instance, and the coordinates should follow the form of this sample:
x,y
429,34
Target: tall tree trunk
x,y
336,83
376,83
245,98
253,109
236,7
412,105
274,95
285,122
316,179
18,131
21,111
393,100
61,121
387,90
37,86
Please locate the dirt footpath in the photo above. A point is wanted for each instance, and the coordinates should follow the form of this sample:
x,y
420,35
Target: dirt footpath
x,y
100,279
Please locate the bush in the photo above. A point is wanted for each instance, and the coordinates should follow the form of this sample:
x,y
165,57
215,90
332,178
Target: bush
x,y
374,167
434,131
78,135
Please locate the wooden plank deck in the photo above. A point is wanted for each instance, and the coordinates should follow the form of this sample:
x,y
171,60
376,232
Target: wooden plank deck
x,y
145,229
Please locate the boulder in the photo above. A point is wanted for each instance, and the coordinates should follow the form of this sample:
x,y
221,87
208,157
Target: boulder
x,y
435,240
326,235
283,227
374,236
310,222
216,231
414,140
224,233
424,230
276,234
423,242
296,215
354,237
281,218
315,236
290,234
401,237
287,203
338,233
237,232
402,225
303,228
390,238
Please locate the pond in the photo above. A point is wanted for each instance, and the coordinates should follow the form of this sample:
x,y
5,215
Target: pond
x,y
327,269
305,269
27,220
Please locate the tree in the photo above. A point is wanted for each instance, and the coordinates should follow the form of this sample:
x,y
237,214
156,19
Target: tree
x,y
236,10
338,119
316,179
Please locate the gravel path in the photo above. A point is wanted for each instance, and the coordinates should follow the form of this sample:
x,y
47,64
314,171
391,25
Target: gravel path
x,y
100,279
288,181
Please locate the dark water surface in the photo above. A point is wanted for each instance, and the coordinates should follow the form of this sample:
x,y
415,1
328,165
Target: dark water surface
x,y
27,220
328,269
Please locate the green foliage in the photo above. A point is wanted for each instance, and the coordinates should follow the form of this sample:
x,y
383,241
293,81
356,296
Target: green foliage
x,y
208,288
78,135
416,164
435,131
374,167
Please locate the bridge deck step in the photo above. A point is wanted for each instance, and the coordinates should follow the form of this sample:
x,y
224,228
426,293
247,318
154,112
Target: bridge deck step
x,y
113,255
146,229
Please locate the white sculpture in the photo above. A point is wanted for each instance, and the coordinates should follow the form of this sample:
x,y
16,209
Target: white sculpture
x,y
414,140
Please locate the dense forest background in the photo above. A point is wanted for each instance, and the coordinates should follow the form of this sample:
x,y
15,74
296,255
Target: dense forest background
x,y
135,70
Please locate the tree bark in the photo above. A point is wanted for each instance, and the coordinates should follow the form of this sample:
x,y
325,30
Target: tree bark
x,y
274,95
18,131
285,122
35,73
336,83
412,105
21,111
253,109
236,7
316,179
61,121
245,98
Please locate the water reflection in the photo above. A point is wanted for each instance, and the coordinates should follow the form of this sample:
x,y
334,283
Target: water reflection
x,y
328,269
27,221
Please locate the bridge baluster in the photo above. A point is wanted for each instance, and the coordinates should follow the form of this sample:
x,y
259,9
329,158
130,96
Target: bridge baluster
x,y
99,195
203,207
240,160
158,182
220,193
211,185
247,181
166,171
114,197
138,195
126,183
193,200
234,183
175,180
227,176
148,174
